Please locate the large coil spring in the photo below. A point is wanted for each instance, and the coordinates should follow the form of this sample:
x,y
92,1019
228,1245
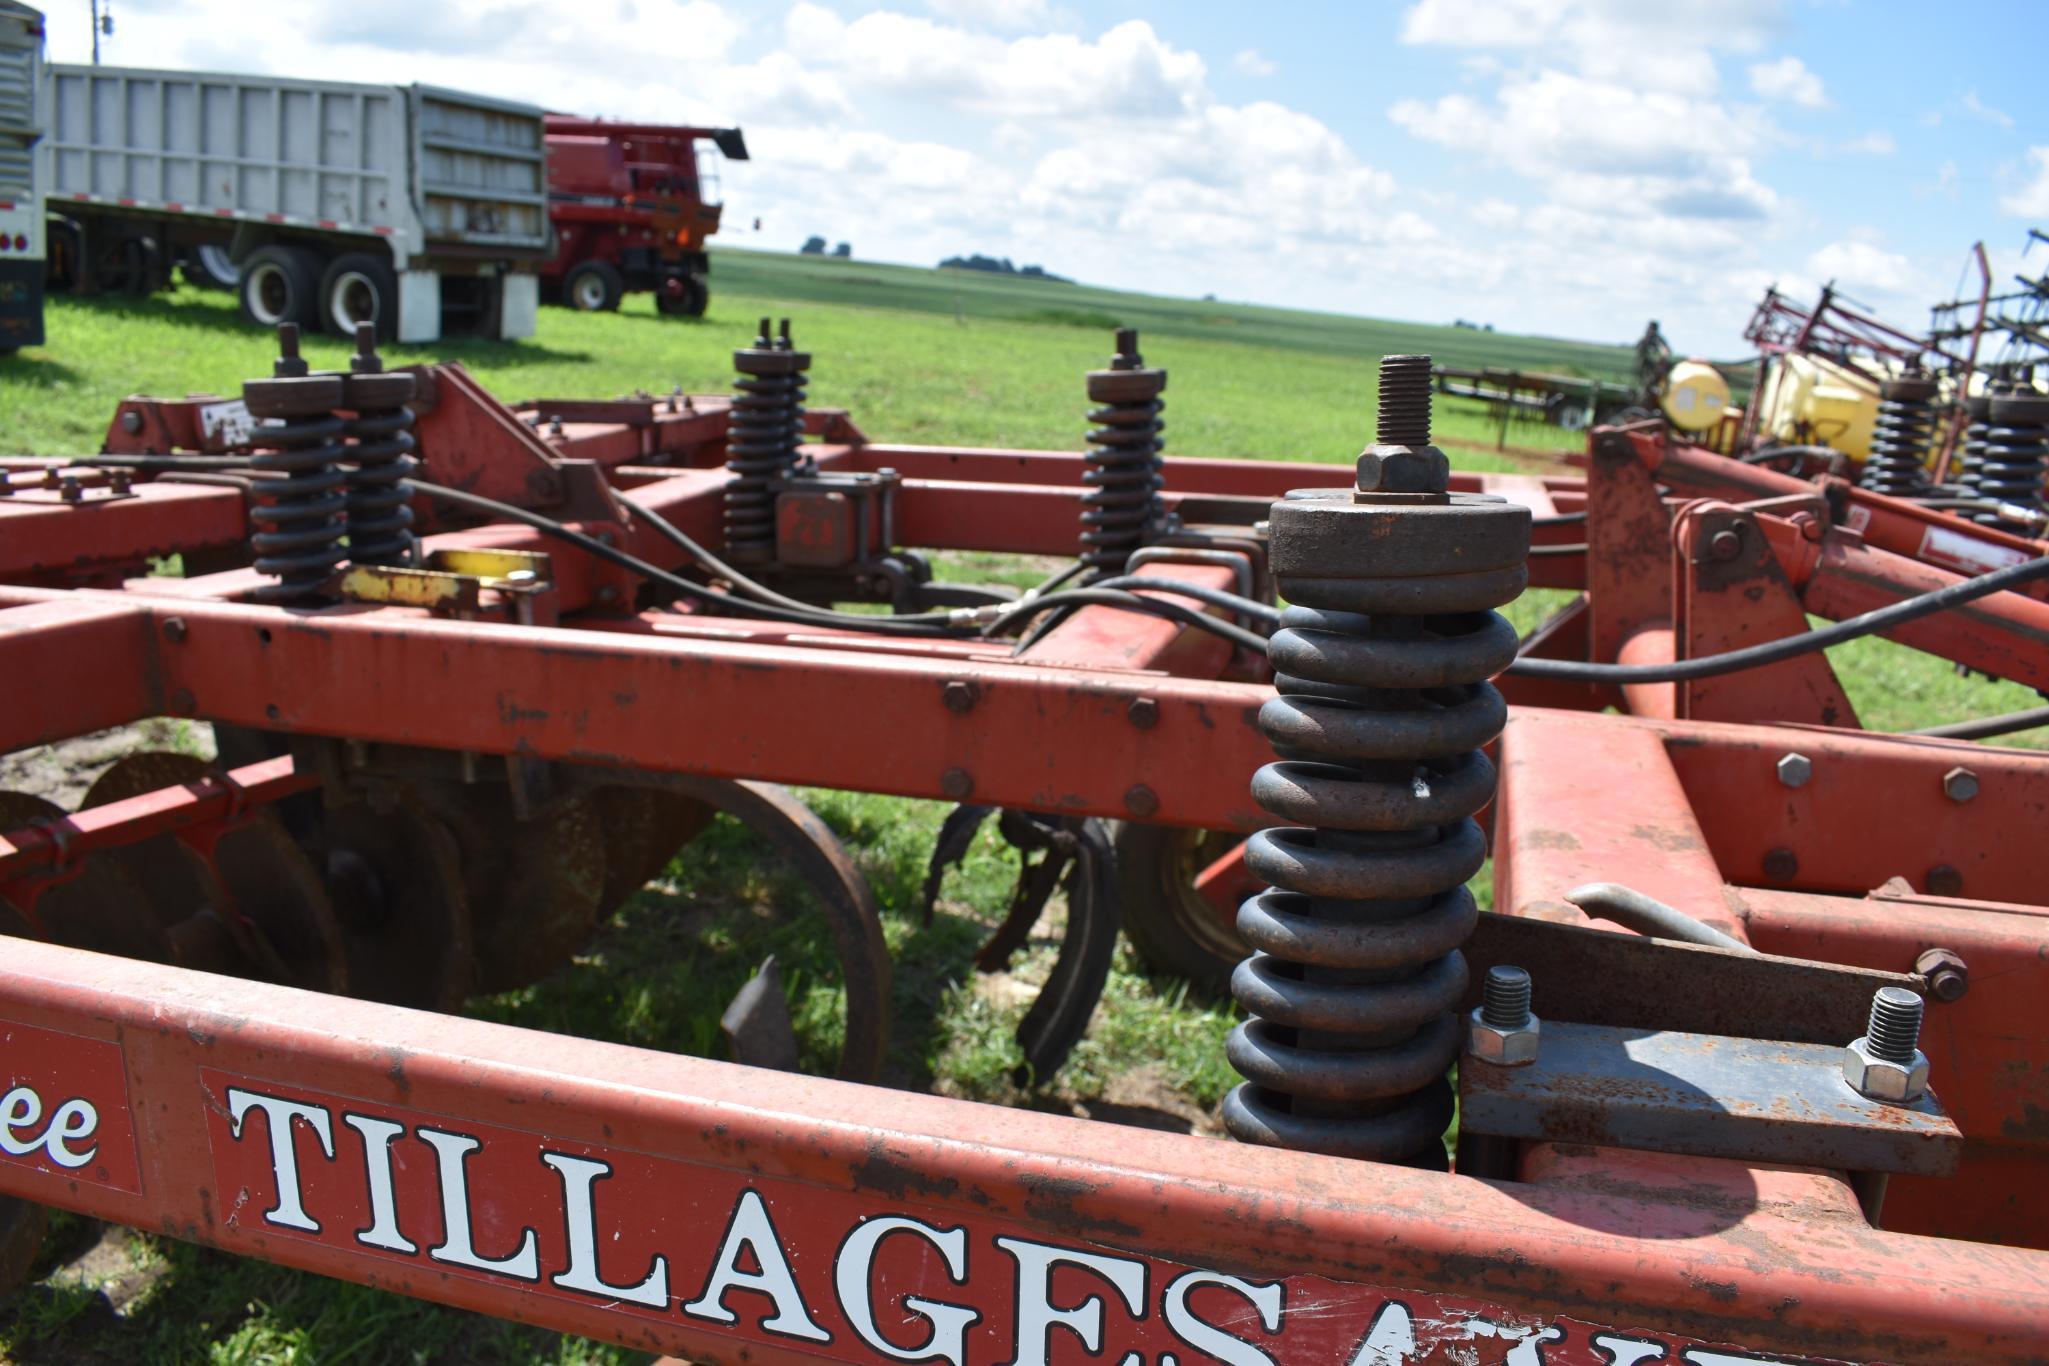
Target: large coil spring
x,y
1124,470
1382,707
761,441
1900,441
379,495
2016,453
1971,449
297,500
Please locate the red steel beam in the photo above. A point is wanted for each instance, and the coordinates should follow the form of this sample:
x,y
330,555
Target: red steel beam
x,y
695,1207
46,538
149,815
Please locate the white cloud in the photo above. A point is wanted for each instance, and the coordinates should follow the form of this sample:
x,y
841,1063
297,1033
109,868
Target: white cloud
x,y
1252,64
1876,143
1129,71
1858,264
1973,105
2031,199
1628,42
1008,15
1788,80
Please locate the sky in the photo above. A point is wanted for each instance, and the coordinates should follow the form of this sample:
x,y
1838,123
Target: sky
x,y
1565,168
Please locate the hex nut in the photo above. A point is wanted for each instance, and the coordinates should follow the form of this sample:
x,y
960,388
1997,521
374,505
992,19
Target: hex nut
x,y
1502,1047
1960,784
1403,469
1875,1078
1795,769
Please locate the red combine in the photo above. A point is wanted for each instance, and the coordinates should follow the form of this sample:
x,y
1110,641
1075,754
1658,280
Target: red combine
x,y
632,206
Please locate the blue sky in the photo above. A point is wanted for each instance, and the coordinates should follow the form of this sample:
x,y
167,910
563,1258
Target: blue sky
x,y
1568,168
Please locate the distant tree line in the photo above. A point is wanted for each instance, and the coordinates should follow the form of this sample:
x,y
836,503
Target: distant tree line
x,y
1475,327
815,246
1000,266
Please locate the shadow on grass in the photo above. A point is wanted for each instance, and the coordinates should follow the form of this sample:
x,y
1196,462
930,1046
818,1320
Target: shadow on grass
x,y
37,370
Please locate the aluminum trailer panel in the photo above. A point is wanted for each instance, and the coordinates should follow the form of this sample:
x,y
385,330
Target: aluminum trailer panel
x,y
21,200
430,170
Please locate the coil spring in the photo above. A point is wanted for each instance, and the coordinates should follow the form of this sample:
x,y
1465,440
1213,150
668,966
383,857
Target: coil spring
x,y
2016,453
379,495
1382,706
1971,449
1124,471
761,442
298,513
1899,445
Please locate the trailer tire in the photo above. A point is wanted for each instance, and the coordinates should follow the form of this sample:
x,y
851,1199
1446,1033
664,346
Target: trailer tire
x,y
593,287
689,301
359,288
208,266
1167,922
280,285
64,248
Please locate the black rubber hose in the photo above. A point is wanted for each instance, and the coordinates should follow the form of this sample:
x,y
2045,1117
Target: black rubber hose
x,y
655,574
1772,652
1130,602
1987,726
1215,597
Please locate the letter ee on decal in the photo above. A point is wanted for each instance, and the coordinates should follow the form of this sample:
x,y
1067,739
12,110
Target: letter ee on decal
x,y
22,1130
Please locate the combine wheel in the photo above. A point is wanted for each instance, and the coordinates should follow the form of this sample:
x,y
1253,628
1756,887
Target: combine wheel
x,y
593,287
396,880
251,906
103,907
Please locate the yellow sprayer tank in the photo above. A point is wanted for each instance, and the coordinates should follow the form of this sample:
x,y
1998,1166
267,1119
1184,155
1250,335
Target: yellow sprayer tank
x,y
1695,396
1809,400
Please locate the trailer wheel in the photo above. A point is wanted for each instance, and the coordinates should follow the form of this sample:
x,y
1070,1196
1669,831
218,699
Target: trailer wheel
x,y
690,295
359,288
210,267
64,249
1167,921
593,287
280,285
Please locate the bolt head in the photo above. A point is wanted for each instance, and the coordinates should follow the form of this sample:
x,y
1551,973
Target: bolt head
x,y
131,422
1949,976
1875,1078
1795,769
959,696
1404,469
1143,712
1725,544
1502,1047
1960,784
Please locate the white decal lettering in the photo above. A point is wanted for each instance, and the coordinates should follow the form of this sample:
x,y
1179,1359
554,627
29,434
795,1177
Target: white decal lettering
x,y
1621,1351
579,1174
453,1150
1036,1316
21,1109
1390,1340
74,1119
1207,1337
278,1115
377,1136
1702,1356
1530,1351
852,1280
752,1230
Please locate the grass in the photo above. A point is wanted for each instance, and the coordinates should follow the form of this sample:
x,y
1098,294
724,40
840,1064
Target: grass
x,y
922,356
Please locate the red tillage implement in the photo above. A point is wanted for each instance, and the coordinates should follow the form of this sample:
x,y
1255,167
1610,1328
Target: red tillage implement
x,y
604,620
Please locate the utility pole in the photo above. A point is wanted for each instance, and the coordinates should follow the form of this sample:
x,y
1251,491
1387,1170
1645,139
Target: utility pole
x,y
101,23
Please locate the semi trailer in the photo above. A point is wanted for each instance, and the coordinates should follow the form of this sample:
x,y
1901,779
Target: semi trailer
x,y
421,209
632,206
21,207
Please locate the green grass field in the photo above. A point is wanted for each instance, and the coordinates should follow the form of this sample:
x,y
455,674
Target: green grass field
x,y
950,357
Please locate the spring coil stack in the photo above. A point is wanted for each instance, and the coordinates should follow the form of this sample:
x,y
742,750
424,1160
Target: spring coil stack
x,y
761,445
2016,451
1901,439
297,503
379,496
1382,707
1124,473
1971,447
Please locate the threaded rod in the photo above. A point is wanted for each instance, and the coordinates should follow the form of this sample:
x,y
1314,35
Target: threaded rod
x,y
1505,997
1404,401
1895,1030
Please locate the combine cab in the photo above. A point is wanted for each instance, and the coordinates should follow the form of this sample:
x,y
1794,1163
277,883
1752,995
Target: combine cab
x,y
632,207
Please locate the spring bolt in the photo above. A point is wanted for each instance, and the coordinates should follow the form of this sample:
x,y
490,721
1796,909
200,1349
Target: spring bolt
x,y
2015,456
761,443
1124,475
380,496
1382,706
1505,997
297,513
